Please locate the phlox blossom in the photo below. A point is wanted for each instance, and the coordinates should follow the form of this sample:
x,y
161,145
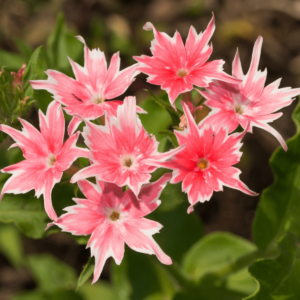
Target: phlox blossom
x,y
248,101
112,218
85,97
205,165
46,156
122,152
177,67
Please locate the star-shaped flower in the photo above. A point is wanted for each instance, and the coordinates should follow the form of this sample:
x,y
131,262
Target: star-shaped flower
x,y
122,152
113,218
205,165
175,67
249,101
85,97
46,157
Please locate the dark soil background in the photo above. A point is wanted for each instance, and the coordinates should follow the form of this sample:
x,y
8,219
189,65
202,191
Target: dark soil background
x,y
238,24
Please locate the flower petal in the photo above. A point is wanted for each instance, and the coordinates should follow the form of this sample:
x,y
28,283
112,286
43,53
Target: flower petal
x,y
137,234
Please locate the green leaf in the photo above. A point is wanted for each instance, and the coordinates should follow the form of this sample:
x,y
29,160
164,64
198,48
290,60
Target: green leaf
x,y
213,252
144,273
170,134
34,70
290,288
11,244
171,197
24,48
86,272
209,293
175,115
55,48
180,230
10,60
31,295
272,273
26,212
100,288
51,274
279,210
157,118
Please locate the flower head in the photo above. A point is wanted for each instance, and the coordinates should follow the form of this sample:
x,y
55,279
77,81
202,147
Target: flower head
x,y
205,165
175,67
113,218
46,156
85,97
249,101
122,152
18,77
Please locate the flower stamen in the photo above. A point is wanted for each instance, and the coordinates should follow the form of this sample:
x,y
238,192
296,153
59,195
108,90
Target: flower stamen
x,y
51,160
182,73
114,216
203,164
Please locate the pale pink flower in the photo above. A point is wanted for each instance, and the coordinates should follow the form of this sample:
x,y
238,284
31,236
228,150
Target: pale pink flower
x,y
248,101
85,97
122,152
46,157
175,67
205,165
113,218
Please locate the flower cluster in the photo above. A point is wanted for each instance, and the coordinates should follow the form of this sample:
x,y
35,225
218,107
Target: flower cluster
x,y
123,155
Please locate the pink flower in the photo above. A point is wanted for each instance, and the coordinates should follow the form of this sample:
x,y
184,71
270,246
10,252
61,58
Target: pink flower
x,y
85,97
205,165
248,101
46,157
177,67
122,152
113,218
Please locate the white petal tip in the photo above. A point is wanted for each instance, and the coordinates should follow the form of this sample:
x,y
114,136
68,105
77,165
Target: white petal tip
x,y
148,26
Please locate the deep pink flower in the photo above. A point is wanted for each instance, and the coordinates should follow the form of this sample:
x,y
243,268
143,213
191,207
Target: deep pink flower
x,y
122,152
193,109
85,97
177,67
113,218
46,157
248,101
205,165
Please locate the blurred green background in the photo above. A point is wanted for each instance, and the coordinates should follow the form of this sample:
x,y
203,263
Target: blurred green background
x,y
34,269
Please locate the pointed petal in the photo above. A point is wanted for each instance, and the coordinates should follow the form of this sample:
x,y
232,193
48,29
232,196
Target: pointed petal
x,y
237,70
95,66
211,70
52,126
73,125
79,219
105,242
69,152
196,46
137,234
90,190
30,140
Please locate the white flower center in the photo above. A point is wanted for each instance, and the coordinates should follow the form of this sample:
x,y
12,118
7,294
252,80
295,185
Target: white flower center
x,y
182,73
127,161
239,108
97,99
50,160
